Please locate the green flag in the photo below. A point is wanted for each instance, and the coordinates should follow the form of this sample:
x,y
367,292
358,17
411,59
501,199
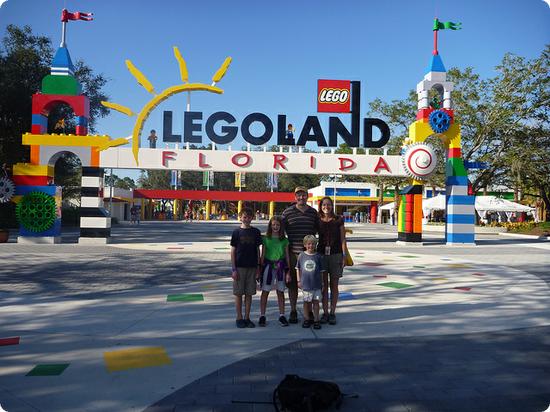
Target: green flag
x,y
438,25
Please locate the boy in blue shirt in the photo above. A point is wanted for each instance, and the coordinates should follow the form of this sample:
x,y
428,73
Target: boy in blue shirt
x,y
308,274
245,253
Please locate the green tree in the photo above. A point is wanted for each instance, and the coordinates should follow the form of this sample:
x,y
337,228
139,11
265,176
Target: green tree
x,y
154,179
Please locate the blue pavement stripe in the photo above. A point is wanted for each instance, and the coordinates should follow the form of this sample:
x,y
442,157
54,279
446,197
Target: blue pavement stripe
x,y
468,219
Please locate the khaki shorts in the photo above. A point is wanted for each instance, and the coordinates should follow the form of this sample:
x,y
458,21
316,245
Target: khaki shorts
x,y
333,265
246,285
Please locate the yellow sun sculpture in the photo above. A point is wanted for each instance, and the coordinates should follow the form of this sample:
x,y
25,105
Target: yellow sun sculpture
x,y
159,98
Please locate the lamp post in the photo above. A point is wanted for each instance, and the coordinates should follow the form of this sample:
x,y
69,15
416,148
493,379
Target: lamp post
x,y
334,180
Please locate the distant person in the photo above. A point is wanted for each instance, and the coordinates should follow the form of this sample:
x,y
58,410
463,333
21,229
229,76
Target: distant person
x,y
308,272
5,171
333,247
153,139
245,260
274,264
134,215
299,220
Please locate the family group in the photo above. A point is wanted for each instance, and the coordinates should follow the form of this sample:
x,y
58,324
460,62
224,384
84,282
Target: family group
x,y
290,257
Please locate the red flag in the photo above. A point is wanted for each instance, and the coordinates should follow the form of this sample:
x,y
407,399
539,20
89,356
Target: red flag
x,y
78,15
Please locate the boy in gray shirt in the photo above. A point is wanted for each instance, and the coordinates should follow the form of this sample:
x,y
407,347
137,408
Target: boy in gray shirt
x,y
308,275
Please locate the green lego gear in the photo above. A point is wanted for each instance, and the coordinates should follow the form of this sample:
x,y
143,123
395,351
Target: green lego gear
x,y
36,211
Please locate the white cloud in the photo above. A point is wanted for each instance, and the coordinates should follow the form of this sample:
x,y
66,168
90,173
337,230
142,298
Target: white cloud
x,y
547,2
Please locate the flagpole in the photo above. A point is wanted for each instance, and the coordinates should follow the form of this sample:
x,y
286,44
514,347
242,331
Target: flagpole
x,y
436,29
63,33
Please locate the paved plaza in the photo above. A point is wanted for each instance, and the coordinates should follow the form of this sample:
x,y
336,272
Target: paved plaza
x,y
147,323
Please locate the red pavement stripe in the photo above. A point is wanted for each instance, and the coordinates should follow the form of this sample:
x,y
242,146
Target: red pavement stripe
x,y
9,341
380,276
175,248
466,289
478,274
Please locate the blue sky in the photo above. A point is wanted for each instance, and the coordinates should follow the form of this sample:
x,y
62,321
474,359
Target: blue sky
x,y
279,48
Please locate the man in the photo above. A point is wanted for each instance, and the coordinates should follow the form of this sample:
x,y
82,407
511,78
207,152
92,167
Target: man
x,y
153,139
299,220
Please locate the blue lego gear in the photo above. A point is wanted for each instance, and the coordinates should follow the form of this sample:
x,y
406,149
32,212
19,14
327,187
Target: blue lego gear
x,y
440,121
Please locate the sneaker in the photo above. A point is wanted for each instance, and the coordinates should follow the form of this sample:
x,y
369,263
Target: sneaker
x,y
241,323
283,321
332,319
324,318
261,322
306,324
316,325
293,317
249,323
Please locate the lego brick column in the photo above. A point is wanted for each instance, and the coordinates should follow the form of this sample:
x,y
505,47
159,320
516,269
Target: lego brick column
x,y
460,223
38,204
95,221
409,220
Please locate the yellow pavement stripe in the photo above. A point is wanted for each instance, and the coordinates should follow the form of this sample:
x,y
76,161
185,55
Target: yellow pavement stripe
x,y
143,357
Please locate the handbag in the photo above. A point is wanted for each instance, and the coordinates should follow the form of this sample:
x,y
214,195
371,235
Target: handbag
x,y
348,259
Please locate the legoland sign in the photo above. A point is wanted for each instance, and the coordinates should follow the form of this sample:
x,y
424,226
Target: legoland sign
x,y
254,161
334,96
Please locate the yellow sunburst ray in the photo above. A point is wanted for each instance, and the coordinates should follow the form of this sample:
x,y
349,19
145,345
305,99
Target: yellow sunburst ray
x,y
221,71
183,66
140,77
113,143
119,108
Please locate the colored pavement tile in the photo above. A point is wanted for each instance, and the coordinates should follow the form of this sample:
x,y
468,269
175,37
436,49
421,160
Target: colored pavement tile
x,y
221,248
48,369
464,288
409,256
380,276
419,267
185,297
135,358
9,341
373,264
346,296
175,248
478,274
439,279
458,266
395,285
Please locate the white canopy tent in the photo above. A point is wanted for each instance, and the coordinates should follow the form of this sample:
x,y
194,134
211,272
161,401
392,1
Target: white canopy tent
x,y
484,205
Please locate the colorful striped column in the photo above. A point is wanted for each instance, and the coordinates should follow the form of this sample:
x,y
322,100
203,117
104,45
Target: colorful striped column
x,y
460,223
409,218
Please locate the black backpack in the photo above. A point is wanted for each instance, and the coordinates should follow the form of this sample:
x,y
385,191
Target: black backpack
x,y
295,394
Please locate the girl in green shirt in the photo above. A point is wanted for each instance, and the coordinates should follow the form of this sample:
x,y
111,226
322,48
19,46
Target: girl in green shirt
x,y
274,264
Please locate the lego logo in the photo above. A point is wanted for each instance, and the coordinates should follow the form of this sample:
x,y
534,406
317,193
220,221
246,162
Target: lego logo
x,y
331,96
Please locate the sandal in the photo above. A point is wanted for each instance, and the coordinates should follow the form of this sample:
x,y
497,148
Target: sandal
x,y
306,324
324,318
316,325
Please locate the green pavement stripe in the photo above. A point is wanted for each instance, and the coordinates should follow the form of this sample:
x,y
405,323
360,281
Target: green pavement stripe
x,y
419,267
395,285
409,256
185,297
48,369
